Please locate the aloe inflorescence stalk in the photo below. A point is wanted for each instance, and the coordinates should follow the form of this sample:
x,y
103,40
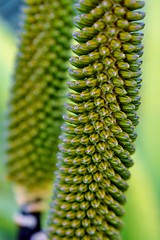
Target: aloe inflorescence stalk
x,y
37,98
99,130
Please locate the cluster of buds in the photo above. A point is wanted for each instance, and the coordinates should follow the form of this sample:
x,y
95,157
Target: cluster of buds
x,y
99,126
38,91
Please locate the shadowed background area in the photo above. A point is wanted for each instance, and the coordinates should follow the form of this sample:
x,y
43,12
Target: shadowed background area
x,y
142,219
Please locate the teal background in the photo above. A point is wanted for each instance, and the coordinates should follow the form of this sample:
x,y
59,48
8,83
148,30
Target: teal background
x,y
142,219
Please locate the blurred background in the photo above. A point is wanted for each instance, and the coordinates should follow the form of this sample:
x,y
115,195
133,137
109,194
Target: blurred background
x,y
142,219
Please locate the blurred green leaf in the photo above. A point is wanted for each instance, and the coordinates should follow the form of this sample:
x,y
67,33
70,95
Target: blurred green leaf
x,y
7,204
141,219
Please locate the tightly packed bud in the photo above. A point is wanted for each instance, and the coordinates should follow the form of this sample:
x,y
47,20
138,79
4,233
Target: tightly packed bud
x,y
38,92
99,130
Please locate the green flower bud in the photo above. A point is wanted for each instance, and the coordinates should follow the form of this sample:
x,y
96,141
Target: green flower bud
x,y
99,130
36,103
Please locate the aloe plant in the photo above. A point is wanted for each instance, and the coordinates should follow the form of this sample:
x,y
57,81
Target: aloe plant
x,y
36,106
37,93
99,127
98,133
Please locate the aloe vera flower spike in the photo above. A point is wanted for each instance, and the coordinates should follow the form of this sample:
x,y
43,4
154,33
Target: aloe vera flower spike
x,y
37,95
98,133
